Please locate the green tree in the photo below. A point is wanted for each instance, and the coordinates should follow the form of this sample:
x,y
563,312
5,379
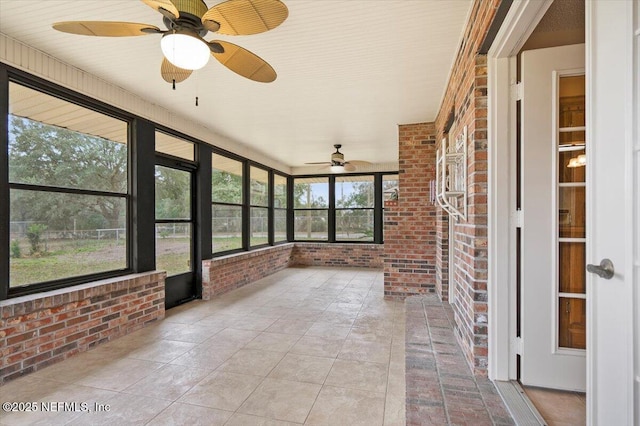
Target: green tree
x,y
173,193
42,154
226,187
357,195
305,197
259,193
360,194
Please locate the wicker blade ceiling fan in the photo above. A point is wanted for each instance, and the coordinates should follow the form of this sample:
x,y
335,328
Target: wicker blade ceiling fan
x,y
338,164
187,22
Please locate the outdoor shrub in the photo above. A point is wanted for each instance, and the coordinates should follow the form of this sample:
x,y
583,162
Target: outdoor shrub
x,y
34,234
15,249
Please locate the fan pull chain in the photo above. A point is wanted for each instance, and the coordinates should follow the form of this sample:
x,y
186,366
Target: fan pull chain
x,y
174,84
196,101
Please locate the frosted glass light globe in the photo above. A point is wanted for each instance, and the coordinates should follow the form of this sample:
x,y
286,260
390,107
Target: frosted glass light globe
x,y
185,51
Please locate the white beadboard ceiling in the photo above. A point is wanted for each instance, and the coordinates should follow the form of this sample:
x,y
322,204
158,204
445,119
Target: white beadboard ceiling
x,y
349,71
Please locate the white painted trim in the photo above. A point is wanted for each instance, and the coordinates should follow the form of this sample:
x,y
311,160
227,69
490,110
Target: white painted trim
x,y
635,210
519,23
501,297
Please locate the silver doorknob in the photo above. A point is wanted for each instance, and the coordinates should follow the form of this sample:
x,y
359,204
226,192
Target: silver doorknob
x,y
604,270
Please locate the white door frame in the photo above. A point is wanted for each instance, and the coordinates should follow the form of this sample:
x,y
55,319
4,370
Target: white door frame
x,y
519,23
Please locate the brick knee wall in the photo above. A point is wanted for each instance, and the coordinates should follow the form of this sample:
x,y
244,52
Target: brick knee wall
x,y
44,328
222,274
336,254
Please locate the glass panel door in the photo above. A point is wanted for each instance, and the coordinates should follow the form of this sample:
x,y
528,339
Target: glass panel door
x,y
174,232
571,213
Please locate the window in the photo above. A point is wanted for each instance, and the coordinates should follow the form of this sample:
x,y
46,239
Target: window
x,y
279,208
167,144
390,185
226,194
354,208
68,188
390,192
259,206
311,208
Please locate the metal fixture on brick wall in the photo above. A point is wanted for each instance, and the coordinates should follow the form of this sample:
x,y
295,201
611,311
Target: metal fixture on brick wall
x,y
451,176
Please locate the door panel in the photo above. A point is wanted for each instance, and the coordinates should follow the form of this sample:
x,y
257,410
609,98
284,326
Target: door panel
x,y
613,68
174,233
553,316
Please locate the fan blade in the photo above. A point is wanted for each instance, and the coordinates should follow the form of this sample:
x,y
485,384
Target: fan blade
x,y
170,73
349,167
245,17
245,63
105,28
320,162
359,163
165,7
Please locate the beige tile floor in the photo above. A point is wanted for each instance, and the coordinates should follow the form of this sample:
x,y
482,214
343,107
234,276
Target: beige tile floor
x,y
315,346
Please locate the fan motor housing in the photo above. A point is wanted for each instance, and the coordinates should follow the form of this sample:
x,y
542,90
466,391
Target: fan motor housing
x,y
337,159
193,7
191,12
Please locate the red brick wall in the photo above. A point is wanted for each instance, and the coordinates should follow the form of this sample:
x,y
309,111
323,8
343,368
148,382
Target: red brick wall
x,y
222,274
442,254
466,95
410,227
336,254
41,329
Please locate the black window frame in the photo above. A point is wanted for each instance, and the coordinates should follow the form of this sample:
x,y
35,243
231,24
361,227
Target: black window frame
x,y
242,204
285,209
295,209
378,225
9,75
268,207
140,212
338,209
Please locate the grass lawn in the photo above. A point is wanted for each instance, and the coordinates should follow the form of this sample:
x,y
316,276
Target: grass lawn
x,y
68,260
73,258
226,243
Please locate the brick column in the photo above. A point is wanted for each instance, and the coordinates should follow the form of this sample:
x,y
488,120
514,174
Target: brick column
x,y
410,227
